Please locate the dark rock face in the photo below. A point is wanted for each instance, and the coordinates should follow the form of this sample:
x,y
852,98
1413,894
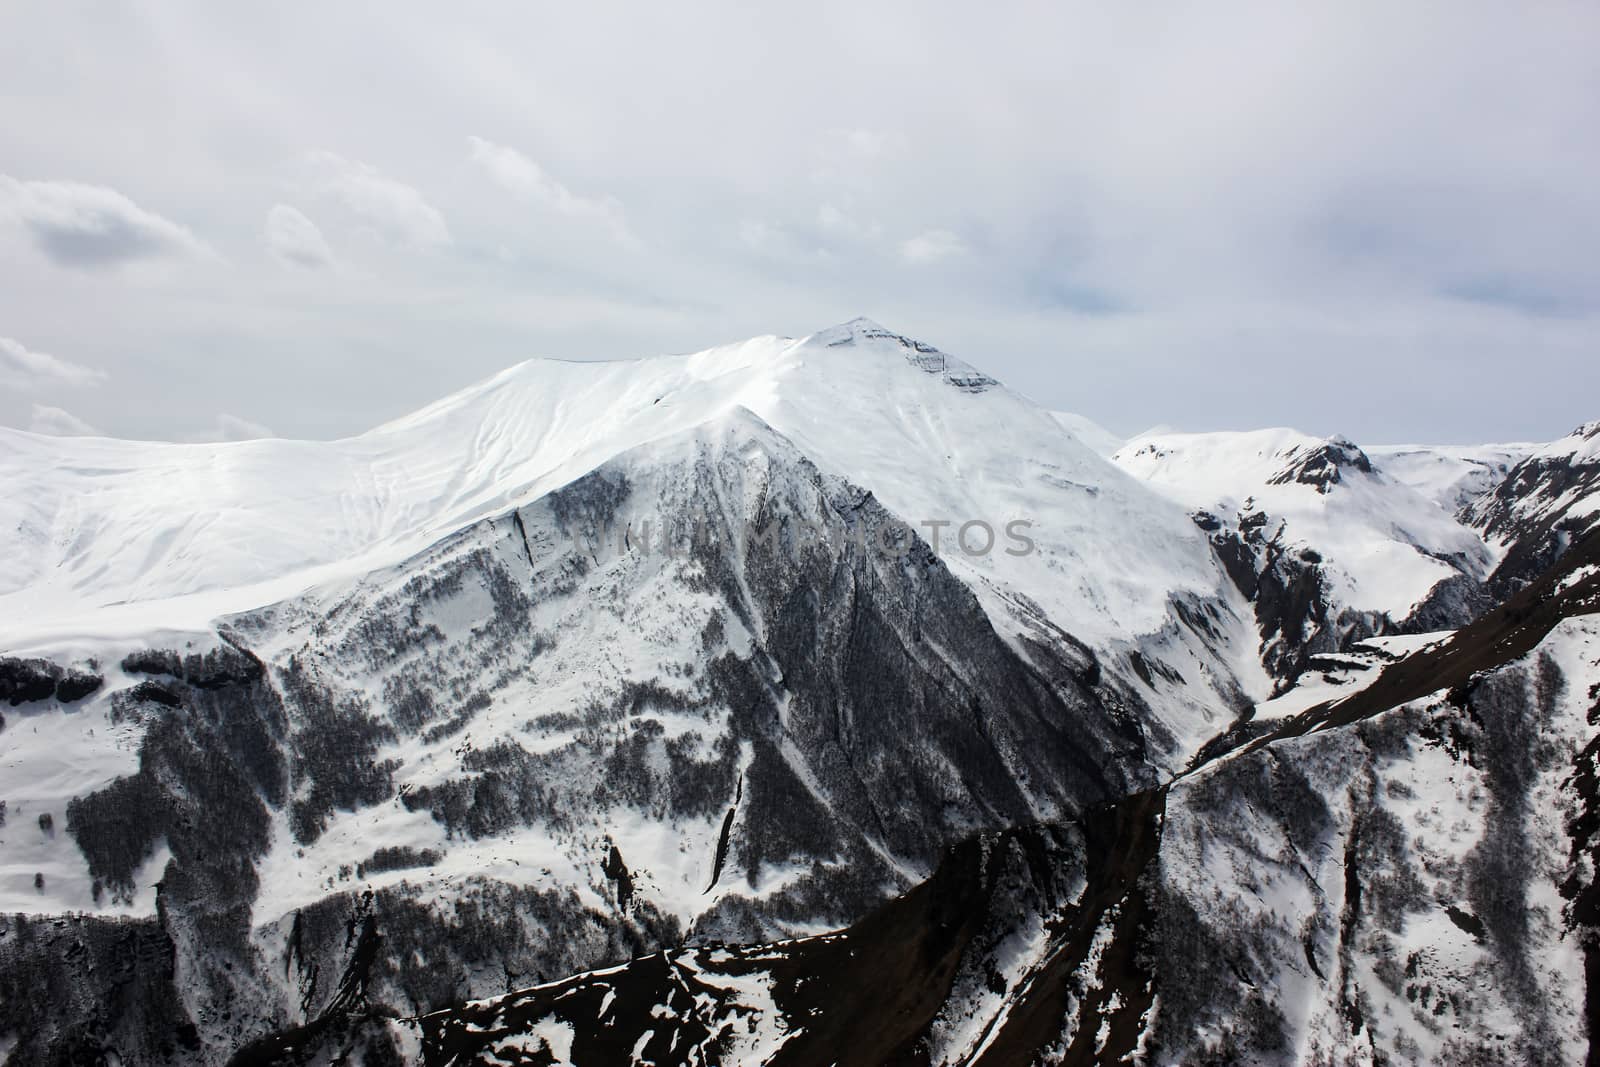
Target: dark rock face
x,y
1538,511
1449,605
153,693
1286,588
1322,466
865,648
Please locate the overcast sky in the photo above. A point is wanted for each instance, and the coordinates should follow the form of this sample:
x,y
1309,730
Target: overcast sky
x,y
223,219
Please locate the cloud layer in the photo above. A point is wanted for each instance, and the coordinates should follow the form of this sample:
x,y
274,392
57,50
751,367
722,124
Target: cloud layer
x,y
1353,217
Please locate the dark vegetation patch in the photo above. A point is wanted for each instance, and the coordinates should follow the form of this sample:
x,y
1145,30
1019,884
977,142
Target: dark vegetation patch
x,y
216,668
81,990
397,858
25,680
336,743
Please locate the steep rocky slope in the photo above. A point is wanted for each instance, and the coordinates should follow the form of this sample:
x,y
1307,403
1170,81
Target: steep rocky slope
x,y
1543,505
706,689
1403,876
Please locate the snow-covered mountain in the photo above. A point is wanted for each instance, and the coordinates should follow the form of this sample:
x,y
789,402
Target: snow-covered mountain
x,y
1545,503
1329,546
1089,432
786,669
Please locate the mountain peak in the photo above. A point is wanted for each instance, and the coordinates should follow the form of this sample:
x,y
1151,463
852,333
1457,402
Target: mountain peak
x,y
863,332
1321,465
863,329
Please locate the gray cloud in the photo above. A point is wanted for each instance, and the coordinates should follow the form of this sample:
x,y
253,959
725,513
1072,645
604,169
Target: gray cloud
x,y
294,240
91,226
21,368
1533,297
58,422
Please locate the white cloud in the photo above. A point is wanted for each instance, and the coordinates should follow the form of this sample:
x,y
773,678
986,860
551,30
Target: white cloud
x,y
295,241
1372,211
931,246
515,172
21,368
91,226
396,209
58,422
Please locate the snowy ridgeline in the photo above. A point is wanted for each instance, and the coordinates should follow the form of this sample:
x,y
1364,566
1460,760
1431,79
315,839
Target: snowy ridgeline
x,y
297,731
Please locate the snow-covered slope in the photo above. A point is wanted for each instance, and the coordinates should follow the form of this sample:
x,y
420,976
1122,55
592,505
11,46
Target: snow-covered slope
x,y
1090,432
1328,546
104,523
1384,545
120,537
1449,475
